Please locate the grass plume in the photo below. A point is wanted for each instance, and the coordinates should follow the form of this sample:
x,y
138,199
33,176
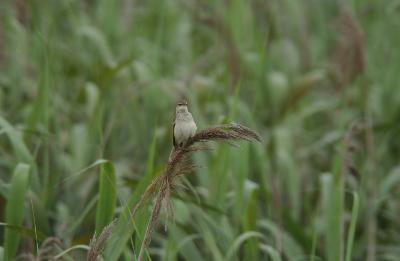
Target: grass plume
x,y
97,244
178,166
348,59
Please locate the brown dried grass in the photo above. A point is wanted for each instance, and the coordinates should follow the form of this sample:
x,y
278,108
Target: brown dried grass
x,y
349,58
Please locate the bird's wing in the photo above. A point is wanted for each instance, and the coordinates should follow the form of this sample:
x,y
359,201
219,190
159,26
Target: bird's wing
x,y
173,134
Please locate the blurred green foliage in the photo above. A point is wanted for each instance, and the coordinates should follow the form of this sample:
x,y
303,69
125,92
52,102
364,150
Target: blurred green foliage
x,y
82,81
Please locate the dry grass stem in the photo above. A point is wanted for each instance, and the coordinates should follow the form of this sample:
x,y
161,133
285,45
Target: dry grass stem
x,y
97,244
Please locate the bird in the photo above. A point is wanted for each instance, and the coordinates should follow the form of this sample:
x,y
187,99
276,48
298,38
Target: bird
x,y
184,126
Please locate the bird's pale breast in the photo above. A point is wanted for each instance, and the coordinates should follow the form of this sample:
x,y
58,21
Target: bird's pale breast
x,y
184,130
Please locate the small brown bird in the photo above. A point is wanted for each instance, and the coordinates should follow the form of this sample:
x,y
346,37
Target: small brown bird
x,y
184,126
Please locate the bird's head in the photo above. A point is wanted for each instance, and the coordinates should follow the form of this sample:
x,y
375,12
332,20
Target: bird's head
x,y
181,107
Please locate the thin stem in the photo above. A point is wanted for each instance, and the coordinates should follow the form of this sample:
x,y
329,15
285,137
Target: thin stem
x,y
153,220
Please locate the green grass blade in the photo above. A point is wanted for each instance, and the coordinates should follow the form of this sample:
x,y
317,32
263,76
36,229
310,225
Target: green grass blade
x,y
211,244
352,229
24,231
40,113
107,196
240,162
21,150
218,180
15,209
251,249
332,209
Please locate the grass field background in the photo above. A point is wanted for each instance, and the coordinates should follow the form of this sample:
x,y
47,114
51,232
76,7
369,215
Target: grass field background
x,y
87,97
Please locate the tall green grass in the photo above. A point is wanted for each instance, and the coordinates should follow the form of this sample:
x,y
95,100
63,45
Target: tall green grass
x,y
83,81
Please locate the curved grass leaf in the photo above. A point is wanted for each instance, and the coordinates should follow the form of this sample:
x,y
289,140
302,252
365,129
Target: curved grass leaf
x,y
15,209
272,252
181,244
290,247
388,183
107,196
352,229
21,150
98,41
239,241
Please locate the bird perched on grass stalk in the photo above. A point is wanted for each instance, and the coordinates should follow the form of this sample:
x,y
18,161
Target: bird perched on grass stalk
x,y
184,126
